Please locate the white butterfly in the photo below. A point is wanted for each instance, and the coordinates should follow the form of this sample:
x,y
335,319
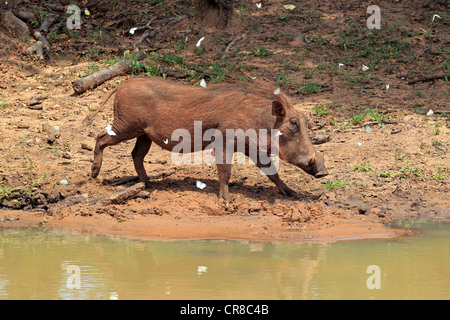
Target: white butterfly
x,y
133,30
201,269
201,185
435,16
258,5
110,131
203,83
364,68
199,42
279,133
277,91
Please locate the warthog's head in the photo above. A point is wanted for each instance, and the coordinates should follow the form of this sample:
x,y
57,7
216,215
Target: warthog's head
x,y
294,144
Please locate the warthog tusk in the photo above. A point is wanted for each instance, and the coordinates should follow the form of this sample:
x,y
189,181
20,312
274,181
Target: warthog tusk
x,y
313,158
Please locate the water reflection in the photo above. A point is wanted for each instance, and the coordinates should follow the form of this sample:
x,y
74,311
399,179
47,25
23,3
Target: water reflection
x,y
43,264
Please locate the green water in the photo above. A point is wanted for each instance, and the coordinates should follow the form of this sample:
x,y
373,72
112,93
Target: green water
x,y
45,264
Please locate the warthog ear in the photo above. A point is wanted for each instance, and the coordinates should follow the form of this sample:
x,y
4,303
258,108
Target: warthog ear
x,y
278,109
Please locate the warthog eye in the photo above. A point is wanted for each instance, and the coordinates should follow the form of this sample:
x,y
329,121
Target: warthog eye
x,y
293,122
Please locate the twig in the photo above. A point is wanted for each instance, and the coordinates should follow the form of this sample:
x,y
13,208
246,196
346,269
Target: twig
x,y
226,54
148,32
430,78
144,36
126,11
425,50
173,22
124,180
161,3
147,26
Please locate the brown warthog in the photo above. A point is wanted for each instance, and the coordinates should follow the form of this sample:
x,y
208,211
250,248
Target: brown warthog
x,y
152,109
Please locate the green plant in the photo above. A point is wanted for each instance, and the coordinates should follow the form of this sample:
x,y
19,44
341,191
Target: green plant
x,y
282,78
241,8
419,108
404,172
41,16
439,174
400,155
446,64
378,117
6,192
260,52
388,175
357,118
334,183
53,37
153,70
308,74
436,130
73,35
290,65
309,87
364,166
134,62
407,170
321,110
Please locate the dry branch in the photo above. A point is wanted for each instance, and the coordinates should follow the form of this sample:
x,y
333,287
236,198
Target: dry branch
x,y
226,54
123,196
117,197
150,32
173,22
157,175
122,67
430,78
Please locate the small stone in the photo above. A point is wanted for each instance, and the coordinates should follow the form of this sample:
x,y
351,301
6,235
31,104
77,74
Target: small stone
x,y
86,147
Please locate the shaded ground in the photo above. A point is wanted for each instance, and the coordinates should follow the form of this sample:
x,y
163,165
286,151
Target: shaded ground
x,y
387,157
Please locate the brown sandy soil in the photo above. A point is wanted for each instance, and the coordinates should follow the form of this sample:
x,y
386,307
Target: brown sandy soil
x,y
398,169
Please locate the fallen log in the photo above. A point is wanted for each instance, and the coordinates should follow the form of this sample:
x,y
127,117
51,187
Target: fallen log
x,y
430,78
117,197
122,67
123,196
